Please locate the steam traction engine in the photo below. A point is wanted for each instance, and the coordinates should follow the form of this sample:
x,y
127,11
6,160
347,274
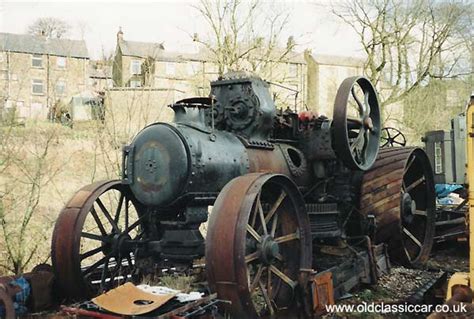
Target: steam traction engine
x,y
287,189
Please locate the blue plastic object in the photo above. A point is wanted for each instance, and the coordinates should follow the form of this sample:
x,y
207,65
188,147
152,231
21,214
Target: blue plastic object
x,y
443,190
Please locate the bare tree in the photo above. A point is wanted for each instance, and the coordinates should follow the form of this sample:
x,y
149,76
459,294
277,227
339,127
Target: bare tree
x,y
409,42
243,35
27,169
49,27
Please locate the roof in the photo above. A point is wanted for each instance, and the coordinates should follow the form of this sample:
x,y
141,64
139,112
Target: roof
x,y
338,60
26,43
99,70
140,49
173,56
105,73
204,55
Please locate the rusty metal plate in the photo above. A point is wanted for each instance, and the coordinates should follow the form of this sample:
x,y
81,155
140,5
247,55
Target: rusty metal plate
x,y
130,300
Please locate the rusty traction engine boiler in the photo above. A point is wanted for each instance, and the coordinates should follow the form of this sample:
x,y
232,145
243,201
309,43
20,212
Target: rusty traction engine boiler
x,y
284,187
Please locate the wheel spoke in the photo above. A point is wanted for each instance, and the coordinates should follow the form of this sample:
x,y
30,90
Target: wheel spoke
x,y
140,235
269,281
107,215
254,212
262,218
134,225
254,233
94,237
407,254
367,109
357,140
415,184
98,221
409,165
354,123
94,266
359,103
279,256
420,212
289,237
257,277
266,297
91,253
103,276
251,257
283,277
275,206
366,142
274,225
119,208
126,213
412,237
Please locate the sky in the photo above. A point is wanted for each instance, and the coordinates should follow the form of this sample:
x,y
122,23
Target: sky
x,y
311,23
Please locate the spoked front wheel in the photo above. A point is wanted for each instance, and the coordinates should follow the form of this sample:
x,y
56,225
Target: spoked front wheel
x,y
258,245
95,239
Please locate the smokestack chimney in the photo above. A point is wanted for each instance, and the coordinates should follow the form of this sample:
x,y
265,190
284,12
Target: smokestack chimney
x,y
120,35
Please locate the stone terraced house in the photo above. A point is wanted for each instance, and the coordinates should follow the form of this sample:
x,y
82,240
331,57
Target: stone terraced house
x,y
37,73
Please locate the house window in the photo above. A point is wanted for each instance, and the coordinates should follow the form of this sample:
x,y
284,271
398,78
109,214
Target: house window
x,y
37,87
170,68
135,83
135,67
60,88
61,62
37,61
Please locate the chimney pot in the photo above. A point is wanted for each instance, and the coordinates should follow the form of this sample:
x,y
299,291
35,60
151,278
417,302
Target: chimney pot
x,y
120,34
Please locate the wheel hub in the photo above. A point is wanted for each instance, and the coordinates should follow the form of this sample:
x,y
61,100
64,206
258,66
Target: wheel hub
x,y
119,244
368,123
408,208
269,250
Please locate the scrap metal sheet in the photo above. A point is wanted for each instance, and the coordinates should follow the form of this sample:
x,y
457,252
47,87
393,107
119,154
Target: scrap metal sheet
x,y
130,300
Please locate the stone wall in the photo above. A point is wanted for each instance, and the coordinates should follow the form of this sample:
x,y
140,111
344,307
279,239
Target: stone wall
x,y
129,110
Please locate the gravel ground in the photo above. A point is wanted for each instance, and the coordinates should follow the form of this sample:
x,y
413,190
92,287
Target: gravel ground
x,y
402,282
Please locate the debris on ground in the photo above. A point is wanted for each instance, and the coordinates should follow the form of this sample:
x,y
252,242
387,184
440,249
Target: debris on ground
x,y
403,282
128,299
180,296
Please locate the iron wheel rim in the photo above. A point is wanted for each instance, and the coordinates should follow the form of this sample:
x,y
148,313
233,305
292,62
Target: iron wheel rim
x,y
84,269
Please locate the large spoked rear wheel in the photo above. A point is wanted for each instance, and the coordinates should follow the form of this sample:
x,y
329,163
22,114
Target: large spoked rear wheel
x,y
399,192
95,239
258,245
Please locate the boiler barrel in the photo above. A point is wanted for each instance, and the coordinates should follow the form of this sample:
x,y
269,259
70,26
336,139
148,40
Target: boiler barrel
x,y
167,161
